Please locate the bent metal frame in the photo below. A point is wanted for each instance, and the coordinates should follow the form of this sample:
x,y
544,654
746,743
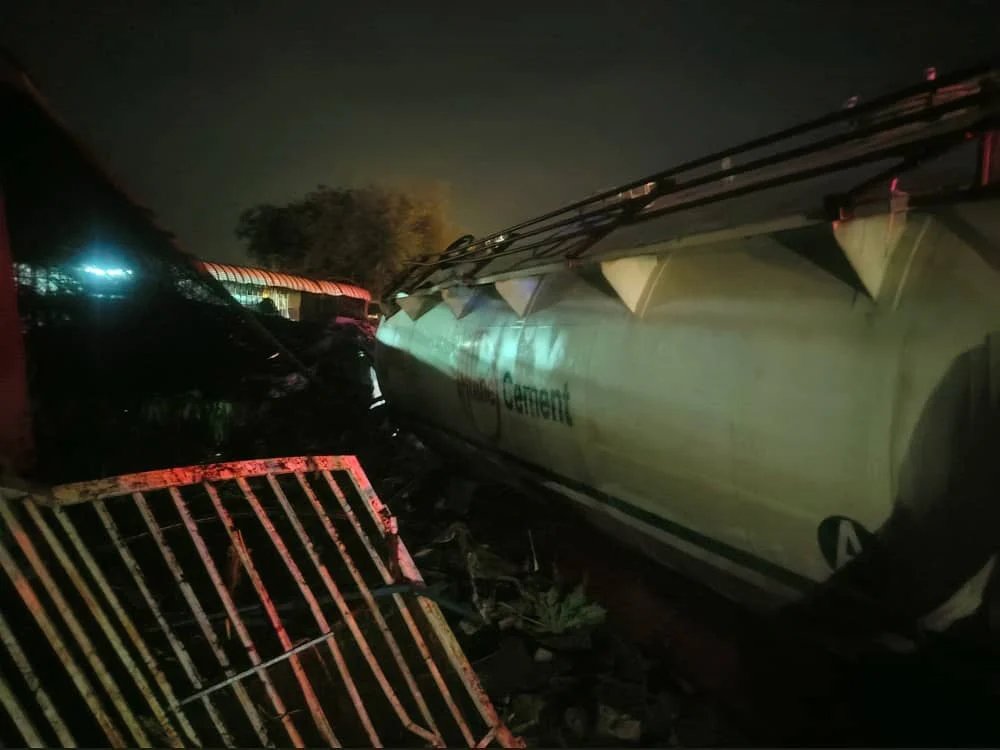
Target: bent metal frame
x,y
263,602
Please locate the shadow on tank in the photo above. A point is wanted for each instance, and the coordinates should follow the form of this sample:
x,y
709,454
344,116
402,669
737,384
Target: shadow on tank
x,y
928,575
944,530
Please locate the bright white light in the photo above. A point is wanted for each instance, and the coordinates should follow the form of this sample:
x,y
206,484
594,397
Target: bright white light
x,y
108,273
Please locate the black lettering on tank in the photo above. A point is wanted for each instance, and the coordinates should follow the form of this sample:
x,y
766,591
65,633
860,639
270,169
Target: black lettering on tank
x,y
539,403
477,387
530,401
558,412
840,539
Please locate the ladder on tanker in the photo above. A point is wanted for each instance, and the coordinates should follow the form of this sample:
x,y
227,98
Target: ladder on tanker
x,y
895,133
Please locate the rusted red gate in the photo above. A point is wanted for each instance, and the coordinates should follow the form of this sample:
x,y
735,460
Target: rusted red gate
x,y
260,602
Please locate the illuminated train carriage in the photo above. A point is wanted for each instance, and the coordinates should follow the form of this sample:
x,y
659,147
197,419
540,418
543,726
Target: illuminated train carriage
x,y
293,297
760,367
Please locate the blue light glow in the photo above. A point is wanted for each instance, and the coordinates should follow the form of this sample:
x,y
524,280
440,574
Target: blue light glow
x,y
108,273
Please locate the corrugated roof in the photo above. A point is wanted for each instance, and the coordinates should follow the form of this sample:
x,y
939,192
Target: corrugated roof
x,y
263,277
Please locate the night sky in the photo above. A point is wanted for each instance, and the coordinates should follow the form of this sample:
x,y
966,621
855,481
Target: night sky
x,y
207,108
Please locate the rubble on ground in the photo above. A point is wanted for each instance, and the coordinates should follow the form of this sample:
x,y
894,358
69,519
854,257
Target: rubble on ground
x,y
557,670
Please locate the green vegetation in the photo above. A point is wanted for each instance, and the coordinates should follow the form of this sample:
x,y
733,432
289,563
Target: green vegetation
x,y
553,612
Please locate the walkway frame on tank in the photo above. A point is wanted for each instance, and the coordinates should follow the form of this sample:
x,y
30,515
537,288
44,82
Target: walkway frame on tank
x,y
908,127
81,563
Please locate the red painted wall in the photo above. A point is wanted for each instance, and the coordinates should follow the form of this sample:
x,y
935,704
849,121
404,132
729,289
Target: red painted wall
x,y
15,412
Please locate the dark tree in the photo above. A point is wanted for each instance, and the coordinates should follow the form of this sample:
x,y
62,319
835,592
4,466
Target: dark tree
x,y
361,235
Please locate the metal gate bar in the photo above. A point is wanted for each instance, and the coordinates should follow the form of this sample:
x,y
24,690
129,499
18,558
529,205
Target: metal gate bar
x,y
386,523
180,653
35,686
97,612
34,606
345,611
403,609
319,715
102,558
248,643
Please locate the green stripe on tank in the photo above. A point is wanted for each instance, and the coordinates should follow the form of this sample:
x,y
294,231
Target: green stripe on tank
x,y
736,555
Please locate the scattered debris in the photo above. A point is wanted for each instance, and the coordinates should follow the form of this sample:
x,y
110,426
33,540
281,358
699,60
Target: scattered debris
x,y
662,711
576,722
526,708
543,655
543,647
614,725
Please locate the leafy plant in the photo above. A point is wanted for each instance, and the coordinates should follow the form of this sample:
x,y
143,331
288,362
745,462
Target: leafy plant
x,y
191,408
552,612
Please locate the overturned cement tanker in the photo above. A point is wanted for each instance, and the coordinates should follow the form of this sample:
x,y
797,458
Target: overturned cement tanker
x,y
769,368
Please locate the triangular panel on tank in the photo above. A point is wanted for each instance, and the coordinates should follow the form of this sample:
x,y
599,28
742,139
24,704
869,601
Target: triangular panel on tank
x,y
416,305
817,244
632,279
529,294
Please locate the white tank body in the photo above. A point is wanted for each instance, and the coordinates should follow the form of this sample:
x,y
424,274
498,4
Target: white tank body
x,y
721,398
